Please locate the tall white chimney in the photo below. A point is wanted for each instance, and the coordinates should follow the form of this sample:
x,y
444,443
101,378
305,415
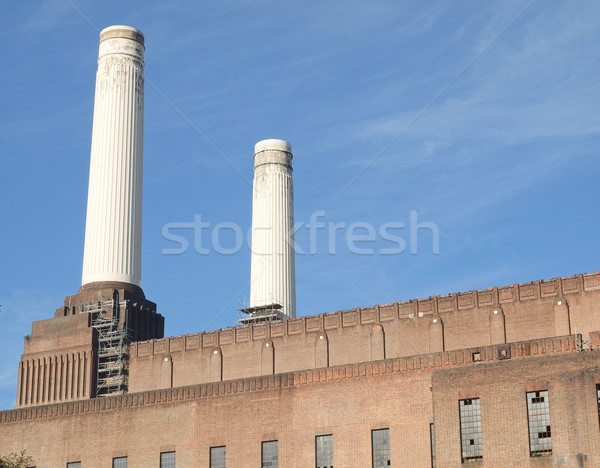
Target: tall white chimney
x,y
113,230
272,265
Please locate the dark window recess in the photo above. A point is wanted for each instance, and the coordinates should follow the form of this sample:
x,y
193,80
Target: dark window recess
x,y
598,397
538,398
432,438
504,352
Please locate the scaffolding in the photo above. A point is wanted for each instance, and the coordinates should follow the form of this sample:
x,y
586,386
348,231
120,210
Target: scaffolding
x,y
114,337
258,314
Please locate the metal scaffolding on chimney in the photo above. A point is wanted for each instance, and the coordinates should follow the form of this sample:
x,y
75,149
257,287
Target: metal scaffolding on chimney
x,y
114,337
265,313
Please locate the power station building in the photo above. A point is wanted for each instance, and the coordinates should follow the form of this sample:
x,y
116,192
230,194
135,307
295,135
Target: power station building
x,y
503,377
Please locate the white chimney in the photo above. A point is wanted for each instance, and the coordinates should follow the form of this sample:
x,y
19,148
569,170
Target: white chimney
x,y
272,265
113,230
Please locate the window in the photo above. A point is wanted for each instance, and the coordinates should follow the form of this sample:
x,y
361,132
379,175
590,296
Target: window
x,y
217,457
120,462
167,460
270,457
598,397
432,438
380,446
74,465
538,416
324,451
470,429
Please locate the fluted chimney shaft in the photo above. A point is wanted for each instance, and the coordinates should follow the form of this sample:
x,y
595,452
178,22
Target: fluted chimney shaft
x,y
113,231
272,264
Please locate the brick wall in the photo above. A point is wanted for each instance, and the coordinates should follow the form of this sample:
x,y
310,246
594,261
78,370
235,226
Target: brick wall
x,y
501,387
477,318
58,362
348,401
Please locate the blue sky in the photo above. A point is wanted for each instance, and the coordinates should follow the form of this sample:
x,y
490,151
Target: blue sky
x,y
504,161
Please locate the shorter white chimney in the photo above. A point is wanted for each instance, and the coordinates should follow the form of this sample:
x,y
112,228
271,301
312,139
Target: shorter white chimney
x,y
272,265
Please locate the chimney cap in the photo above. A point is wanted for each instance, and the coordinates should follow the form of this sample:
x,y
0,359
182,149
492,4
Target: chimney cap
x,y
121,31
273,145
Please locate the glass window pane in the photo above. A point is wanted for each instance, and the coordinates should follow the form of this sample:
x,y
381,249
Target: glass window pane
x,y
167,460
380,442
324,451
270,455
538,415
470,429
598,396
74,465
432,438
217,457
120,462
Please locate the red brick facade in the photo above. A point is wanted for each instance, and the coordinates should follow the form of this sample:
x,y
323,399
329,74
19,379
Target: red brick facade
x,y
477,318
402,367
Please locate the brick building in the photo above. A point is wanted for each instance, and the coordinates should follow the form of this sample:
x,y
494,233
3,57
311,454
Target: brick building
x,y
508,376
504,377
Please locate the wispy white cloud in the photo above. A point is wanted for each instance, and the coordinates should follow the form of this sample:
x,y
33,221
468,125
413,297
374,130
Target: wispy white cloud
x,y
527,87
525,91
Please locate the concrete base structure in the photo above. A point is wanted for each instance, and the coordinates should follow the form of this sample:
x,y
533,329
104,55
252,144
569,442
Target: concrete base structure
x,y
403,367
60,358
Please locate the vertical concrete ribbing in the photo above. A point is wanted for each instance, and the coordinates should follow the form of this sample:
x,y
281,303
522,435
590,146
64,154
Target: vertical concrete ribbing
x,y
63,377
28,388
272,265
36,369
20,385
114,213
52,379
